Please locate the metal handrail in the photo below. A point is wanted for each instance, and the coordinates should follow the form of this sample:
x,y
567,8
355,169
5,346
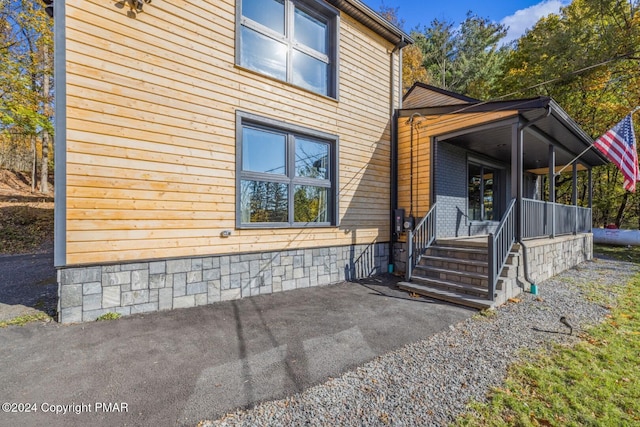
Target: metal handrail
x,y
500,243
419,239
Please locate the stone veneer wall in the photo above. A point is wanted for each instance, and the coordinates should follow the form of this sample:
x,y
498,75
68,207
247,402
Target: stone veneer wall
x,y
548,257
86,293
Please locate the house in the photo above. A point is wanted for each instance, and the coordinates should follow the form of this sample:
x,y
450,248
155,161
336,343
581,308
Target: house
x,y
214,150
477,216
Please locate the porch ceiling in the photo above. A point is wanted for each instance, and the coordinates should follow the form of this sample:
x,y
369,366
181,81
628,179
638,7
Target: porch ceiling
x,y
495,140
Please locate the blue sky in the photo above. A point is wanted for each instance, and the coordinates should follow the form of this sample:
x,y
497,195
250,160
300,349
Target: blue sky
x,y
518,15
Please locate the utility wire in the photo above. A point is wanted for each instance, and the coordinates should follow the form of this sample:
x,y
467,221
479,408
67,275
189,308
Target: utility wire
x,y
453,120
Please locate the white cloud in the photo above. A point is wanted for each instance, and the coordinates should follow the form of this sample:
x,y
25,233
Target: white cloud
x,y
525,19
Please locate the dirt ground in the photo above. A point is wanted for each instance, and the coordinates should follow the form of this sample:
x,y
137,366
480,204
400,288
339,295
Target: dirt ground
x,y
16,187
26,217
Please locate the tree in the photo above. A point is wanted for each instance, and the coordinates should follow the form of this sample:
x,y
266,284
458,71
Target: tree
x,y
391,14
438,49
587,58
467,59
25,83
413,69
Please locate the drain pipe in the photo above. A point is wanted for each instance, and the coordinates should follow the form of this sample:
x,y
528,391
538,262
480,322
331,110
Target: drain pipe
x,y
394,110
534,287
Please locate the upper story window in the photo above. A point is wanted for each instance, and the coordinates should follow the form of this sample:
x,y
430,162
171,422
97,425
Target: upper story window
x,y
290,40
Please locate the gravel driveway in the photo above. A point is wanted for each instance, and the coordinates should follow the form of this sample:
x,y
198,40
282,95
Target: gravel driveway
x,y
429,383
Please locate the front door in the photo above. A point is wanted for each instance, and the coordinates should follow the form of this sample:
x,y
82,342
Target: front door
x,y
485,191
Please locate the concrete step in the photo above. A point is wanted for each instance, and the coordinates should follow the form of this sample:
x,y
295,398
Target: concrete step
x,y
471,254
452,275
465,288
472,266
471,242
510,271
456,271
447,295
434,258
513,258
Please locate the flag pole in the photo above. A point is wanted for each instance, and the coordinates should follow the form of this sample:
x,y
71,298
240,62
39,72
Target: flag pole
x,y
635,110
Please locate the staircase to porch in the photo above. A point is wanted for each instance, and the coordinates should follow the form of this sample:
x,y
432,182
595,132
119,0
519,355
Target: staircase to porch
x,y
457,271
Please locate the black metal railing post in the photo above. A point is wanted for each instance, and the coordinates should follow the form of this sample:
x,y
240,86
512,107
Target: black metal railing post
x,y
419,239
492,270
500,244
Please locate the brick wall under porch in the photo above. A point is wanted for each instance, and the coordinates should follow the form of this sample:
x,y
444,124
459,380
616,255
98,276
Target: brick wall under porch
x,y
86,293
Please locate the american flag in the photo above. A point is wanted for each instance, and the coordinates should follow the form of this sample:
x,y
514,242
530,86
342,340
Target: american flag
x,y
619,145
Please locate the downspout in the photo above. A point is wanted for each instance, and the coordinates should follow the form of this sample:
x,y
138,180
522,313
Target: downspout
x,y
60,136
520,239
394,186
394,109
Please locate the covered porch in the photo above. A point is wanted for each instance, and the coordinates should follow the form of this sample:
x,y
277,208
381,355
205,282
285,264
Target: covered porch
x,y
490,170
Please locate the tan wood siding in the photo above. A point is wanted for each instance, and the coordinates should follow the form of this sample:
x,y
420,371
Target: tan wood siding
x,y
151,148
427,128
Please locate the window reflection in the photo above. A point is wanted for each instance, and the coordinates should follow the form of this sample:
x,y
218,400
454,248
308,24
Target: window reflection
x,y
312,159
297,47
310,204
269,13
263,151
310,31
260,53
480,199
264,201
309,73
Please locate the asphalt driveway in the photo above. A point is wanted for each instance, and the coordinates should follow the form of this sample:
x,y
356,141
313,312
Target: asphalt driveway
x,y
27,285
183,366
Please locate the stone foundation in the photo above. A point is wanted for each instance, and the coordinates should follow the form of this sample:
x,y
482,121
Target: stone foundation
x,y
86,293
549,257
399,257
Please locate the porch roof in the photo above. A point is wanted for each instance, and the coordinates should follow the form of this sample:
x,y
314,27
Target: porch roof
x,y
549,124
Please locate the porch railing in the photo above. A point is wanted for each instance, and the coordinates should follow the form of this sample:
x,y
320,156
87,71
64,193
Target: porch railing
x,y
500,244
585,222
419,239
538,218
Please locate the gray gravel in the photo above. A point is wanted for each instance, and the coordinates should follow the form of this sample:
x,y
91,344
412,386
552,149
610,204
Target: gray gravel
x,y
430,382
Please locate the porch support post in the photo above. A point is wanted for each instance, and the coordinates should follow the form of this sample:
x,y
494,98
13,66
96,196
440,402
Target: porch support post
x,y
574,196
552,191
517,137
590,190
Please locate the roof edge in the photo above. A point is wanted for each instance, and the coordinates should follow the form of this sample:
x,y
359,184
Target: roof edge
x,y
482,107
372,19
574,127
440,91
